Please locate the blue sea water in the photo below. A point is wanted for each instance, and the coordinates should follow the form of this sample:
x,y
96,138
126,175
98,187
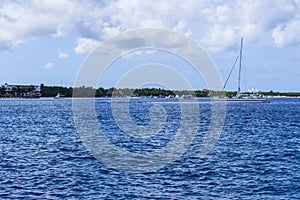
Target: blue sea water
x,y
256,157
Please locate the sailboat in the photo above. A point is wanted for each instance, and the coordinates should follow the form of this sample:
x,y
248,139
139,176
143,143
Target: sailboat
x,y
57,96
251,96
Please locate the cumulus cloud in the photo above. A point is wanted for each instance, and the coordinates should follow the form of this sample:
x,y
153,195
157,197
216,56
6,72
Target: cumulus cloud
x,y
20,21
62,55
287,34
216,24
85,45
49,65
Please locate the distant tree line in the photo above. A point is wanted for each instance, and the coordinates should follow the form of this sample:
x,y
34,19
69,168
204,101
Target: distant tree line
x,y
288,94
51,91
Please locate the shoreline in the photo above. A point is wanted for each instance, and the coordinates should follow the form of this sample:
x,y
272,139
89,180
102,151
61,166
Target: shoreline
x,y
141,97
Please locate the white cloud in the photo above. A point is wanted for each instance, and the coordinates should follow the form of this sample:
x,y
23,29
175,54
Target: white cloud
x,y
216,24
181,27
220,37
49,65
287,34
138,53
20,22
253,20
85,45
62,55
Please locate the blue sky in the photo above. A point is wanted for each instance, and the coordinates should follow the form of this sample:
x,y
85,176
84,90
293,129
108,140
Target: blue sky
x,y
46,41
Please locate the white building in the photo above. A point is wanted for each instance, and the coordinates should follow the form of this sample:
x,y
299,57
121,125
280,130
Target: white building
x,y
26,91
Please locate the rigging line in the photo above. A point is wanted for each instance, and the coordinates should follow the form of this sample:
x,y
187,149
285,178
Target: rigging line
x,y
230,72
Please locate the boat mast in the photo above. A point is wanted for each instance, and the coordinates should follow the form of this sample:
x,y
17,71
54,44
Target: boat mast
x,y
240,66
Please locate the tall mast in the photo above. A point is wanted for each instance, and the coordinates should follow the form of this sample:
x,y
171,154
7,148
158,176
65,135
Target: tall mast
x,y
240,66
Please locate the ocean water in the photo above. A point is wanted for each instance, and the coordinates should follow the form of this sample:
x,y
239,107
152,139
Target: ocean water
x,y
256,157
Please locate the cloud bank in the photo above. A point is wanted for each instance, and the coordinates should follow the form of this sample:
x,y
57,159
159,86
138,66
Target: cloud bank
x,y
216,25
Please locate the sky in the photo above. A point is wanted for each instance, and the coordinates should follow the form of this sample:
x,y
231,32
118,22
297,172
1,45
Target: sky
x,y
47,41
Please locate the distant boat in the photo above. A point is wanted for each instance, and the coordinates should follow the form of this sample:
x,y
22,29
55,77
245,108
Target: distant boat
x,y
187,96
57,96
250,96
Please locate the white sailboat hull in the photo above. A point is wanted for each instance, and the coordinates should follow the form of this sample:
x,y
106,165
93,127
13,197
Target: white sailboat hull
x,y
241,100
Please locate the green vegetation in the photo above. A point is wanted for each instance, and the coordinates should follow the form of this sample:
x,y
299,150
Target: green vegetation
x,y
2,91
18,91
287,94
129,92
51,91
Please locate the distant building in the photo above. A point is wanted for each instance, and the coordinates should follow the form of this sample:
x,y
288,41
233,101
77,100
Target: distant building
x,y
21,91
205,90
209,92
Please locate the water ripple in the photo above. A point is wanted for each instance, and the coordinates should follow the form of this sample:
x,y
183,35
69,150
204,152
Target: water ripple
x,y
257,156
